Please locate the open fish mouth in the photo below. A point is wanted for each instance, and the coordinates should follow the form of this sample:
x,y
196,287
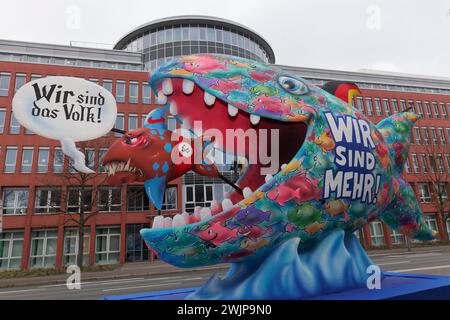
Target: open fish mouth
x,y
117,167
190,103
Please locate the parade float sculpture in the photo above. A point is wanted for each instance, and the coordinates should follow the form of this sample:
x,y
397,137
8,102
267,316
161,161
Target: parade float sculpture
x,y
287,235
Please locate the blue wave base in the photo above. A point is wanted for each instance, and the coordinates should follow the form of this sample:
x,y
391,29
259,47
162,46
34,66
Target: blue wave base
x,y
336,264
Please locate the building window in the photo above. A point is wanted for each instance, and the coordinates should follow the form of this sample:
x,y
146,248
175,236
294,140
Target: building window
x,y
426,137
427,109
107,245
133,122
71,246
435,110
442,191
417,135
120,91
136,248
170,199
448,227
58,161
146,93
4,84
397,237
89,154
2,120
415,162
15,201
369,106
48,200
11,247
387,108
10,160
407,166
43,248
27,160
109,199
21,79
441,135
14,126
359,103
440,163
376,233
447,162
432,162
43,155
137,199
378,106
35,77
443,111
402,105
120,123
434,135
423,163
411,106
419,108
76,197
394,105
107,84
424,193
101,155
134,92
430,220
198,195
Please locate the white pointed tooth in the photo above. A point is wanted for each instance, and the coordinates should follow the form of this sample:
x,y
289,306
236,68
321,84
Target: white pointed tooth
x,y
284,165
158,222
167,87
247,192
232,110
162,98
173,108
188,86
168,222
197,211
254,119
205,213
227,204
209,99
185,216
127,165
179,220
268,177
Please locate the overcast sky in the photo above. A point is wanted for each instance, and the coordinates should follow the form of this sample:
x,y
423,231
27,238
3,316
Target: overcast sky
x,y
408,36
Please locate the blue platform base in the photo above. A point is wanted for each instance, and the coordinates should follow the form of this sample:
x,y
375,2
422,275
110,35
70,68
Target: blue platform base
x,y
396,286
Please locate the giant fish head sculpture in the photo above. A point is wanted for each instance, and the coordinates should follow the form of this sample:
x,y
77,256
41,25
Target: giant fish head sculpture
x,y
156,156
336,169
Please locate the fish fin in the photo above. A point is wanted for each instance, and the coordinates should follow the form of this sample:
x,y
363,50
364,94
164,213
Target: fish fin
x,y
155,189
396,131
157,119
342,89
404,214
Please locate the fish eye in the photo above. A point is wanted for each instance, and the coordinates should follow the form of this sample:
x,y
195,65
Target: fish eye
x,y
292,85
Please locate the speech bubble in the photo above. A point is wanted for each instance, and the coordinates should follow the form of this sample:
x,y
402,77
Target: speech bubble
x,y
66,109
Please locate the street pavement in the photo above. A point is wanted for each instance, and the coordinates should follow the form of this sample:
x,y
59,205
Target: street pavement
x,y
143,277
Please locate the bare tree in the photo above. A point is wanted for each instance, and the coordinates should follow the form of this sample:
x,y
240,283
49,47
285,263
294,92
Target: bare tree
x,y
439,176
82,197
